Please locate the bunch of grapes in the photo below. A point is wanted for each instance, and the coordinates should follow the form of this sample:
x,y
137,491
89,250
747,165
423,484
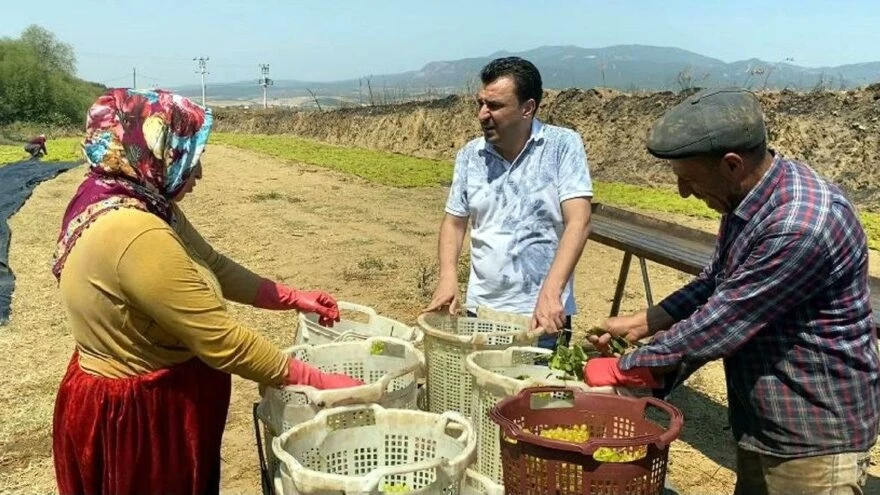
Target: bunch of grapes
x,y
607,454
581,433
571,434
377,347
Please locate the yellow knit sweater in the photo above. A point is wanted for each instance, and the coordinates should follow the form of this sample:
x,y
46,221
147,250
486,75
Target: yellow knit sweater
x,y
141,296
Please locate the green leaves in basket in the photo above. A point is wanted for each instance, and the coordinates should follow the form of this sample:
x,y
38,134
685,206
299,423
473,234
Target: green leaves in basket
x,y
569,360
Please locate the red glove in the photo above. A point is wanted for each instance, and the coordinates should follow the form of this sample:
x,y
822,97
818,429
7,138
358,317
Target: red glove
x,y
604,372
278,296
300,373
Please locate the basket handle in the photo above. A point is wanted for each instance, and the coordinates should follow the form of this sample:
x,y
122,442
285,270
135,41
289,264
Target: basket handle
x,y
348,336
338,396
676,421
418,368
454,420
534,334
372,479
303,328
349,306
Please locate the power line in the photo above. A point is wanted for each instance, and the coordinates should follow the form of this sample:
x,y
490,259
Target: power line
x,y
203,69
265,82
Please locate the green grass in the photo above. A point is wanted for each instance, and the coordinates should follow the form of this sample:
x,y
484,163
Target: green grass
x,y
871,222
65,149
404,171
650,198
376,166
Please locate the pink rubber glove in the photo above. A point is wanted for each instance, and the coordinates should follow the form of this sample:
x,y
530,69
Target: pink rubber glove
x,y
271,295
300,373
605,372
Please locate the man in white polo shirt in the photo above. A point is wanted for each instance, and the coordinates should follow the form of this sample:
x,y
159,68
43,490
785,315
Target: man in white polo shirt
x,y
525,187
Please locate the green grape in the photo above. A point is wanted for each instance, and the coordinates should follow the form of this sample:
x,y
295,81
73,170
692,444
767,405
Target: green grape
x,y
608,454
571,434
395,487
377,347
581,433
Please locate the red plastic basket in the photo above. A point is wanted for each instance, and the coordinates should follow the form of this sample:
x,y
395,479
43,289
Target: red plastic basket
x,y
534,465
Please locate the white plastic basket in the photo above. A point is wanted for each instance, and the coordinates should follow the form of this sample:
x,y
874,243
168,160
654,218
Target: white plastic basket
x,y
475,483
499,374
311,332
448,340
390,369
361,449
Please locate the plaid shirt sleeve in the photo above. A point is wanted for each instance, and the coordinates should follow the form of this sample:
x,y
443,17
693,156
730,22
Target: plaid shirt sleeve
x,y
783,269
683,302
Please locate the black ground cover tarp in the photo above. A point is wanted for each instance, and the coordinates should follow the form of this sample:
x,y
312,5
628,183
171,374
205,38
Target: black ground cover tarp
x,y
17,181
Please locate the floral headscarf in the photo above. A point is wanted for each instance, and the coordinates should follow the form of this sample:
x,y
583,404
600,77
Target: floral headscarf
x,y
141,147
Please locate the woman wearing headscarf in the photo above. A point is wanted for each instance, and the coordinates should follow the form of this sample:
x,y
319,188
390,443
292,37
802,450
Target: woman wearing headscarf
x,y
143,404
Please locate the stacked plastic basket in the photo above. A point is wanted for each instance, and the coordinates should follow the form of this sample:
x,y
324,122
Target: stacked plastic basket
x,y
448,341
499,374
490,399
389,368
368,449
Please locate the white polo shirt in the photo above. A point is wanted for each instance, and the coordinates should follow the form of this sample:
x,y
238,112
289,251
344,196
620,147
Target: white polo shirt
x,y
516,214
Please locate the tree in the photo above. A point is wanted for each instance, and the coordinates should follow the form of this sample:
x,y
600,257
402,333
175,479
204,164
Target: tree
x,y
37,83
55,54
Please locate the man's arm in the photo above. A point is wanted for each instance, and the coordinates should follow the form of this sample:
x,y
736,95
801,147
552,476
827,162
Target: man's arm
x,y
783,270
672,309
451,237
452,231
549,312
574,188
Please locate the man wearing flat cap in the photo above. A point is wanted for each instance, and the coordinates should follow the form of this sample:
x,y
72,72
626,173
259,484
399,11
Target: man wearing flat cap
x,y
784,302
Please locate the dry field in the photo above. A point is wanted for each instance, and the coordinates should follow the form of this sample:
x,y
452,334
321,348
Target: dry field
x,y
310,228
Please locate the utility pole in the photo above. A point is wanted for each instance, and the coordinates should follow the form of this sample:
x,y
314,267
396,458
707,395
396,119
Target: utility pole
x,y
203,69
134,78
265,82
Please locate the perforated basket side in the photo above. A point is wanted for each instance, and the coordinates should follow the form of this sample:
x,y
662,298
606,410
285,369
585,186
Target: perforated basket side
x,y
282,408
531,463
499,374
448,340
356,449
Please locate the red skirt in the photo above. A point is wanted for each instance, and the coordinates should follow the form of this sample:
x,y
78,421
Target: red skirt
x,y
155,433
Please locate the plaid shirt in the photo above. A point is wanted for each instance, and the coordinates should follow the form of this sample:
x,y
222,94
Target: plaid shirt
x,y
785,302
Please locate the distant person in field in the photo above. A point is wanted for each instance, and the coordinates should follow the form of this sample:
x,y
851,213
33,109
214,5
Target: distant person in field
x,y
144,401
784,302
525,188
36,147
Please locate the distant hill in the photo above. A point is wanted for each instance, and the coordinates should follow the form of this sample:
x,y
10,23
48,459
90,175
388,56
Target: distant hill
x,y
624,67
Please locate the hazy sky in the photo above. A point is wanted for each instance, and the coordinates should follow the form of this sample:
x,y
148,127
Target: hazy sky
x,y
322,40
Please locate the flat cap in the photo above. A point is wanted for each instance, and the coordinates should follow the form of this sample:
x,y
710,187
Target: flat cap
x,y
710,122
